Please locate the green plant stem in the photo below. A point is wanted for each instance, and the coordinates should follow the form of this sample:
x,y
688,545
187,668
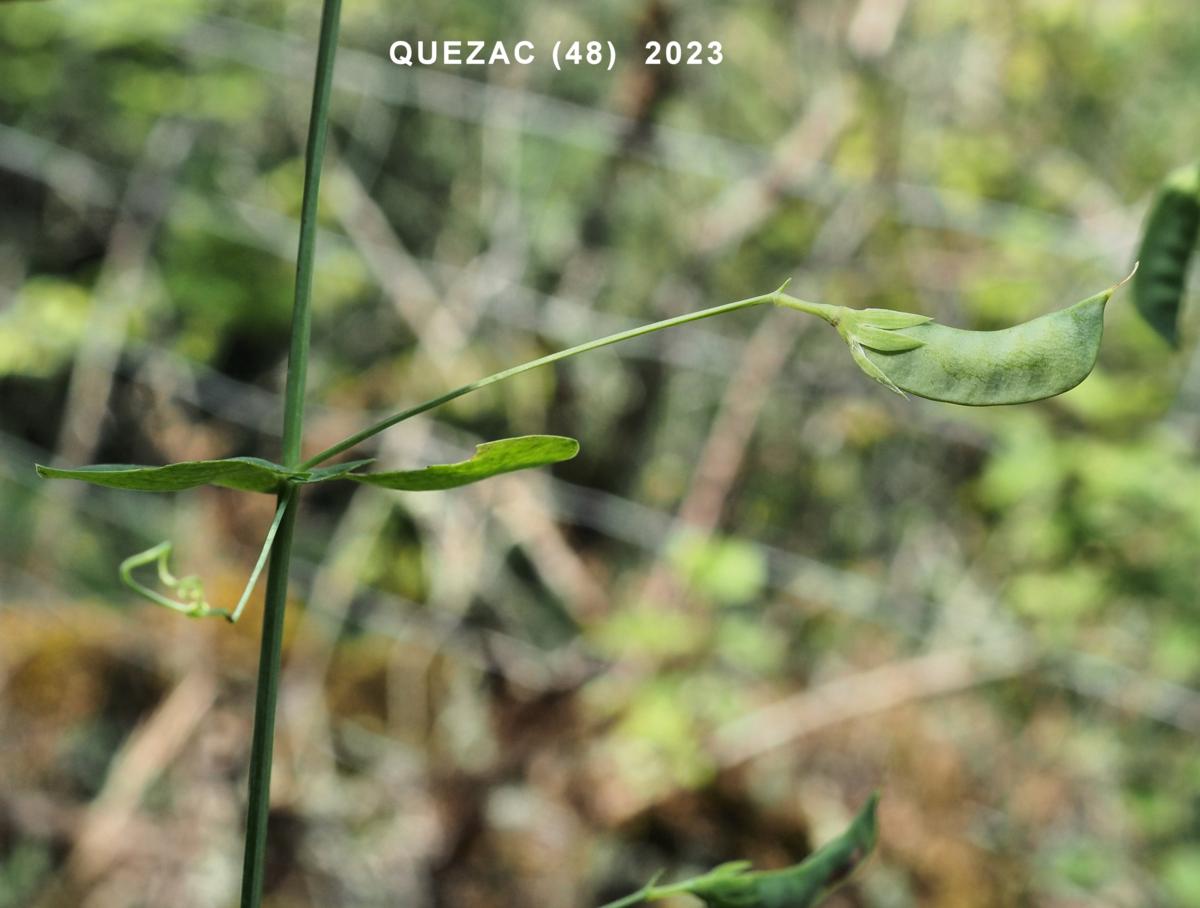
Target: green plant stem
x,y
314,156
262,745
778,297
275,600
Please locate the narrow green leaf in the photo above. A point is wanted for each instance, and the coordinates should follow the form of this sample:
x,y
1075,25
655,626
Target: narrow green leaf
x,y
491,459
250,474
891,319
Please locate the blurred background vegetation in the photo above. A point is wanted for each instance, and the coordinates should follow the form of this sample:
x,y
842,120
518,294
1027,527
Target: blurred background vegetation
x,y
765,587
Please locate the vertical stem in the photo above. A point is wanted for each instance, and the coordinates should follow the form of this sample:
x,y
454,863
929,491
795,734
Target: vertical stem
x,y
262,745
318,130
263,740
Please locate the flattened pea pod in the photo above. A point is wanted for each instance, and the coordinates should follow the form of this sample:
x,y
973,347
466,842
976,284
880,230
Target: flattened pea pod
x,y
1168,242
1030,361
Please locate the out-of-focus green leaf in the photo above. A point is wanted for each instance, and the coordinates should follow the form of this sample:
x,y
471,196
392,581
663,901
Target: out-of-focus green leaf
x,y
1168,241
731,571
40,331
1181,874
491,459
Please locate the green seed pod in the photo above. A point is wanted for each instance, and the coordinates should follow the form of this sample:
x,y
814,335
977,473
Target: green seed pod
x,y
1037,359
1167,243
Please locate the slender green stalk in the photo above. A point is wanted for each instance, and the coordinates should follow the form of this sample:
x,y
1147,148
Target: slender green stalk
x,y
262,746
778,297
280,509
821,310
318,131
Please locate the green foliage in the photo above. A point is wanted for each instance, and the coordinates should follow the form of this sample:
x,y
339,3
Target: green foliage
x,y
21,871
1181,875
1168,241
1085,512
735,885
491,459
253,474
729,570
43,327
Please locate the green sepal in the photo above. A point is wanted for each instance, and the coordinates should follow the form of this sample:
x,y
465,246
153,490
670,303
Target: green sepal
x,y
491,459
860,358
891,319
885,340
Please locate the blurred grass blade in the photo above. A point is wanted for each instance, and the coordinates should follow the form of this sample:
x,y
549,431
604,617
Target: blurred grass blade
x,y
491,459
